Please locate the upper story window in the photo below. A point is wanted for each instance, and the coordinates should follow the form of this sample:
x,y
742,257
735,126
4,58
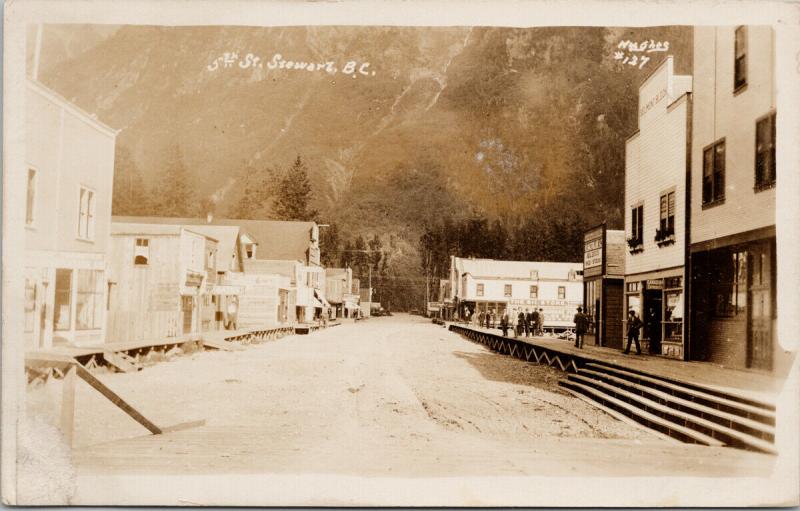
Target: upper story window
x,y
534,291
250,250
507,290
479,290
141,252
572,275
534,274
714,172
668,212
740,59
637,228
765,152
86,213
562,292
30,210
211,259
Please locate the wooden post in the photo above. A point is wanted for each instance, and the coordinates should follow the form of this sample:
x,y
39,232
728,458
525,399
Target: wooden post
x,y
68,406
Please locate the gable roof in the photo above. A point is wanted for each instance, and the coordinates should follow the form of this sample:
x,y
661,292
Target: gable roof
x,y
276,239
493,268
145,229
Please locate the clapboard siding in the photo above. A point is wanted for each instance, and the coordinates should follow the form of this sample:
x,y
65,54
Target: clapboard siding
x,y
717,113
655,163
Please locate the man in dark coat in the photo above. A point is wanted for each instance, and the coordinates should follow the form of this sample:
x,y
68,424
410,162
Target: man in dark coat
x,y
535,322
634,325
581,326
529,325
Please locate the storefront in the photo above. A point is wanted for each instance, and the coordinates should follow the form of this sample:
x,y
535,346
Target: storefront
x,y
734,311
657,299
603,270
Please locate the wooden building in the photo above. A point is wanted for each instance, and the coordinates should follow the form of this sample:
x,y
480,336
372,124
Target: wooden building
x,y
655,193
159,277
732,205
603,285
489,285
70,170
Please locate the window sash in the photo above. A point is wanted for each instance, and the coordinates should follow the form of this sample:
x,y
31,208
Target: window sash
x,y
479,290
765,151
534,292
31,198
507,290
562,292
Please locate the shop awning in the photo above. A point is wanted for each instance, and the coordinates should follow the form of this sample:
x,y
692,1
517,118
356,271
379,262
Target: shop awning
x,y
316,303
323,302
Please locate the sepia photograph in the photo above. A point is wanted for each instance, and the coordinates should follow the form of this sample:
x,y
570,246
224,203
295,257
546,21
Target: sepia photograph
x,y
413,254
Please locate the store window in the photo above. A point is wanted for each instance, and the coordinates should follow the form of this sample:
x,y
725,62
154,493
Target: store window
x,y
89,303
714,173
673,309
30,304
479,290
590,305
765,152
534,292
507,290
86,213
633,299
740,59
729,290
534,274
562,292
63,300
141,252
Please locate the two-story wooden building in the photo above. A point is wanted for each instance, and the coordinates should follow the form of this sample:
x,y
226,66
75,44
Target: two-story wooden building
x,y
338,287
732,203
655,198
489,285
70,172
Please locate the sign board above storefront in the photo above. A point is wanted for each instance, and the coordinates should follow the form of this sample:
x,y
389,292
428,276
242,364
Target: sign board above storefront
x,y
593,252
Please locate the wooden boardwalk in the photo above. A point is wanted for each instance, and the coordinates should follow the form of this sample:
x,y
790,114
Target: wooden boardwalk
x,y
749,384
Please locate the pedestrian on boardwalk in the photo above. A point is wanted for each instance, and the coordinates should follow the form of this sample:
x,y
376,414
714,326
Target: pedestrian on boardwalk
x,y
488,318
535,322
480,318
504,323
634,325
540,322
581,326
529,325
521,326
494,318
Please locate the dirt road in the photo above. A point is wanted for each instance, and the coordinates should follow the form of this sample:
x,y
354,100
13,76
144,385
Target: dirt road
x,y
396,397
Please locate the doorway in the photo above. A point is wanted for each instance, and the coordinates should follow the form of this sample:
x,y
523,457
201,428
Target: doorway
x,y
759,307
652,319
187,307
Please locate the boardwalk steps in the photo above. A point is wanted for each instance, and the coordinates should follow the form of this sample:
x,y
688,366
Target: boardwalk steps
x,y
679,409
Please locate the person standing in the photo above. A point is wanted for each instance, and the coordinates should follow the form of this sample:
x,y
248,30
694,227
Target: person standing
x,y
653,328
494,318
534,322
488,318
504,324
528,324
581,326
634,325
540,322
521,323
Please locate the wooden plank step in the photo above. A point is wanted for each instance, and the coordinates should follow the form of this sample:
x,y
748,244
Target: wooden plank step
x,y
221,345
640,415
121,361
717,429
747,410
707,410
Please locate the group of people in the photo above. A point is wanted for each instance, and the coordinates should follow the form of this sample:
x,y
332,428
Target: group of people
x,y
529,323
581,321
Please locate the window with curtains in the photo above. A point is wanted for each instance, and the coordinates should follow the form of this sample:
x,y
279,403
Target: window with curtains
x,y
765,152
636,239
86,213
666,227
714,173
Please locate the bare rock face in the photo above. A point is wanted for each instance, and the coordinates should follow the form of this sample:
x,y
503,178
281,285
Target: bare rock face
x,y
45,474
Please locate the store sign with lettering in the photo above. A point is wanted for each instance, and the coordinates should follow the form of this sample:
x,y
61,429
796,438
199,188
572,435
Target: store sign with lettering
x,y
593,252
653,102
655,284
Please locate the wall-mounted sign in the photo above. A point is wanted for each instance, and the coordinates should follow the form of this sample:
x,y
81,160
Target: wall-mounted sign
x,y
593,251
655,284
653,102
193,279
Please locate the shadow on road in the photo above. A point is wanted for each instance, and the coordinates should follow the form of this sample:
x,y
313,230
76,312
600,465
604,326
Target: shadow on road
x,y
495,367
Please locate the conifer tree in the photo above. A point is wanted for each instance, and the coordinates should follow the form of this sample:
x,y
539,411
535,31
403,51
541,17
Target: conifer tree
x,y
294,194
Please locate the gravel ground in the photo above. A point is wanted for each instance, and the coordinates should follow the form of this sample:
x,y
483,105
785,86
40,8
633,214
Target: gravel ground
x,y
392,396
